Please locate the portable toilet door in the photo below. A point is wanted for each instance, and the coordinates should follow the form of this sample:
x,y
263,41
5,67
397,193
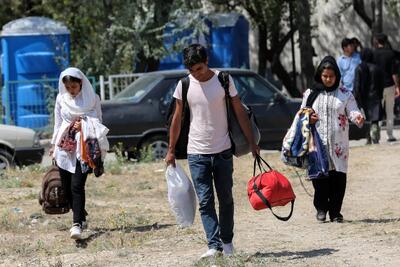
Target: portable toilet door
x,y
229,40
35,51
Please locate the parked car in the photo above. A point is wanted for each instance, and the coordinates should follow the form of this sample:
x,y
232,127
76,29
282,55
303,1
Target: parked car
x,y
136,115
19,147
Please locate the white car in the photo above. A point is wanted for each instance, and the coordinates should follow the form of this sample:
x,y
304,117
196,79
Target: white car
x,y
19,147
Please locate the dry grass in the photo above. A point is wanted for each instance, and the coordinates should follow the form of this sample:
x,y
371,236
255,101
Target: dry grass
x,y
130,223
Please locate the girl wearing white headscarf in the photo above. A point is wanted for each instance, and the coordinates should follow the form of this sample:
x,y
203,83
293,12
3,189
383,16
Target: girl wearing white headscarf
x,y
76,100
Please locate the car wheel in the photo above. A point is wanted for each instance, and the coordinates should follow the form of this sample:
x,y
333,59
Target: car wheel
x,y
6,160
154,148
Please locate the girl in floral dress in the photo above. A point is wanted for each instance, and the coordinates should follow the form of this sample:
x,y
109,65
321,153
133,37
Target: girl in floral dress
x,y
333,107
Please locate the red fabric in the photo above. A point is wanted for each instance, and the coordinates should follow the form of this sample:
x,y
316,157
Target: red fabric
x,y
275,187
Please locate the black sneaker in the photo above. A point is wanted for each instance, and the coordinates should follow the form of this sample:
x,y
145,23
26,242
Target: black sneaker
x,y
391,139
321,215
338,219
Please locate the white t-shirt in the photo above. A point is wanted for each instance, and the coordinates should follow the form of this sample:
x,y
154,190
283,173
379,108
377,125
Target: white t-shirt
x,y
208,132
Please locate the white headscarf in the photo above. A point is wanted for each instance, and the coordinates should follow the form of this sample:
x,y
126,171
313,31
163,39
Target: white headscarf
x,y
87,92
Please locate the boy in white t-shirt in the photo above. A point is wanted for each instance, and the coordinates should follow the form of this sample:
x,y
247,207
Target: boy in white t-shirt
x,y
209,146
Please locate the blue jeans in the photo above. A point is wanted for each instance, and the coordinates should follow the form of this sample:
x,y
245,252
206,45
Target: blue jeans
x,y
206,169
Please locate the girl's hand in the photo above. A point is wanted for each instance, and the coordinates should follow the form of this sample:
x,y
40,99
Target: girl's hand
x,y
77,125
360,120
314,118
51,151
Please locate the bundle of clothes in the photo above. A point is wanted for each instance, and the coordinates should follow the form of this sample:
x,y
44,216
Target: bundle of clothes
x,y
303,148
93,144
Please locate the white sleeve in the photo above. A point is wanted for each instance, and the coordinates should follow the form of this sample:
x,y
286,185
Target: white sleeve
x,y
352,109
98,109
178,91
57,119
305,97
232,88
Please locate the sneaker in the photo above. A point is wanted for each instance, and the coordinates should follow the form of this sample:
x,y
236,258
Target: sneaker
x,y
321,215
228,248
391,139
338,219
212,252
76,231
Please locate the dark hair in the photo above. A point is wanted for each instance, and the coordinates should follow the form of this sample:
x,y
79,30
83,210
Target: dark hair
x,y
355,41
194,54
327,63
68,78
380,38
346,42
328,66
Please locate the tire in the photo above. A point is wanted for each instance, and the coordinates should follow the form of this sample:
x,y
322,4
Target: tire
x,y
6,160
154,148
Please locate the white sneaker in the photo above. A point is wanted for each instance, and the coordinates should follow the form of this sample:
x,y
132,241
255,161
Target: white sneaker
x,y
228,248
76,231
210,253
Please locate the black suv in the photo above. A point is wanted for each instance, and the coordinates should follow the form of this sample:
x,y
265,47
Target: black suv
x,y
136,116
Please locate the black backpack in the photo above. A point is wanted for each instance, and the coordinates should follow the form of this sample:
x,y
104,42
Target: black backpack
x,y
181,144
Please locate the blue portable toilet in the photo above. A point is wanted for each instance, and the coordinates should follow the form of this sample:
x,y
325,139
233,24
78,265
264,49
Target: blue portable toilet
x,y
34,52
227,42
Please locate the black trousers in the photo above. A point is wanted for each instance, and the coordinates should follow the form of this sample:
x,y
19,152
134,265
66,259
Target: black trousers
x,y
74,185
329,193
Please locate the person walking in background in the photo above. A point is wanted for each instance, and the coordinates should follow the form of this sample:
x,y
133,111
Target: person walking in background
x,y
357,45
76,102
333,107
368,90
347,63
384,58
209,146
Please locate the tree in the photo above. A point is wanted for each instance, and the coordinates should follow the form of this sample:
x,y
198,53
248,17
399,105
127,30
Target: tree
x,y
375,20
303,14
271,18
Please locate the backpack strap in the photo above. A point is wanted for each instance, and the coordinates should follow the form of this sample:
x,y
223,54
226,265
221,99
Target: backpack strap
x,y
223,77
185,87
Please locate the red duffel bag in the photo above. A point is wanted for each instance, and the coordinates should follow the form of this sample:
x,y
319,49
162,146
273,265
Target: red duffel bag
x,y
269,189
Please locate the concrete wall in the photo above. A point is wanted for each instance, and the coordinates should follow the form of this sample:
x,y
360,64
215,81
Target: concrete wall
x,y
329,31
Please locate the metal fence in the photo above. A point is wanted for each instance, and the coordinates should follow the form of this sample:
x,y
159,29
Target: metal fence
x,y
30,103
115,83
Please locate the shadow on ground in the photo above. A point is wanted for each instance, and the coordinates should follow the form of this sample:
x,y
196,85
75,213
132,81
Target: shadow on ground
x,y
372,221
297,254
97,232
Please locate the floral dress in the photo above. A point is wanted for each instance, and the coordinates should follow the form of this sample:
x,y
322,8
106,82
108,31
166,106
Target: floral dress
x,y
334,110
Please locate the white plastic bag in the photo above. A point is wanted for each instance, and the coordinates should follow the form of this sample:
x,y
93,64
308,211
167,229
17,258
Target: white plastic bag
x,y
181,195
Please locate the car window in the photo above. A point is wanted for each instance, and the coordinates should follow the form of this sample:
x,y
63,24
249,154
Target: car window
x,y
253,90
170,91
140,87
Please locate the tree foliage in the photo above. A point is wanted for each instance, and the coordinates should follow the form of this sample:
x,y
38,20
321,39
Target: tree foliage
x,y
110,36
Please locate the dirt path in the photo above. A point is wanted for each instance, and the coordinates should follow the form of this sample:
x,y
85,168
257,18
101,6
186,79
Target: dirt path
x,y
131,224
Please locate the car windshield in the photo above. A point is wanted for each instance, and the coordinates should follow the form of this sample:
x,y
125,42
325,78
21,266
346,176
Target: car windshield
x,y
253,90
136,90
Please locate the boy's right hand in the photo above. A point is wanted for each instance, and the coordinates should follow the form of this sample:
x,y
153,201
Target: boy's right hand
x,y
313,118
170,159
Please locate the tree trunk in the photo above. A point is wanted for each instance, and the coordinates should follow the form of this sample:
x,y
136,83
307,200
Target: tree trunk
x,y
303,14
377,25
284,77
262,49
